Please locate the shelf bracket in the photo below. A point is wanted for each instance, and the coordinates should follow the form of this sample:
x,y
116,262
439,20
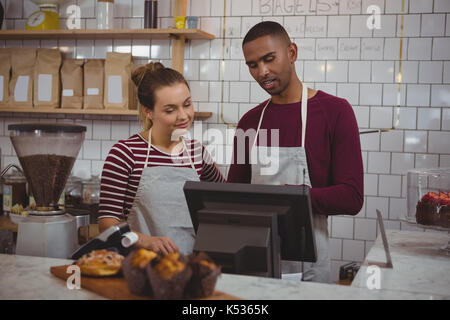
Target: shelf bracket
x,y
178,44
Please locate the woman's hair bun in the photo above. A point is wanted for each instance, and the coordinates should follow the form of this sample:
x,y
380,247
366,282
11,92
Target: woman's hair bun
x,y
139,73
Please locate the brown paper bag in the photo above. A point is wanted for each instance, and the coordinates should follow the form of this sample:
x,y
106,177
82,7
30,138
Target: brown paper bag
x,y
5,75
119,88
21,84
72,84
94,70
46,79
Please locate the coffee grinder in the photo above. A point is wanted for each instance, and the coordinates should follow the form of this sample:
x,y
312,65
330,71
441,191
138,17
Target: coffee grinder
x,y
47,153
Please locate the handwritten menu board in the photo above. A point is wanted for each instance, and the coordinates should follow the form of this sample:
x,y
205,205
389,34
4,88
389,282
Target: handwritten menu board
x,y
299,7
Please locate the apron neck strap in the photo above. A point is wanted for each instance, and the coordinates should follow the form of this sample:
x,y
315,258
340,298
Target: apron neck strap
x,y
304,115
148,147
260,121
304,112
189,156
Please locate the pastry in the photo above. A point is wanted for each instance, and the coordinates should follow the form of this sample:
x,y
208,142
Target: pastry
x,y
169,276
100,263
204,275
135,273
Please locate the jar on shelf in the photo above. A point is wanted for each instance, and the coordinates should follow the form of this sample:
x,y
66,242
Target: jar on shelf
x,y
91,197
73,192
151,14
105,14
14,191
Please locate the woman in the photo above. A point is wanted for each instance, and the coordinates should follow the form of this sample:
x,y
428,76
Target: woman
x,y
143,176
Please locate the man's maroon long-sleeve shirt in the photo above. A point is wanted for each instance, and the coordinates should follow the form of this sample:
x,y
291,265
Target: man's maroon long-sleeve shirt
x,y
333,149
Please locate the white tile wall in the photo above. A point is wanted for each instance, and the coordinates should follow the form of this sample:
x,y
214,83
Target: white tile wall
x,y
338,26
359,71
337,54
402,162
440,95
353,250
418,95
439,142
374,203
383,71
407,118
370,184
365,229
426,160
370,94
429,118
433,24
415,141
380,117
392,141
441,49
372,48
370,142
379,162
418,6
419,48
341,227
337,71
390,185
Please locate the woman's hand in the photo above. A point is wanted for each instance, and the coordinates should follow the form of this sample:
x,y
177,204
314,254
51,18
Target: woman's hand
x,y
161,245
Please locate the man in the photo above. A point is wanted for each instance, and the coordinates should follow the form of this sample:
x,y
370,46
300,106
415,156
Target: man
x,y
318,140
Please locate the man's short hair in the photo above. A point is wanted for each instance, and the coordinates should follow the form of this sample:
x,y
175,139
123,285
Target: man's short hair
x,y
266,28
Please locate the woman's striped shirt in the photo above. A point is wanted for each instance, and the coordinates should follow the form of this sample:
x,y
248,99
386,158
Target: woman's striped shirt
x,y
123,169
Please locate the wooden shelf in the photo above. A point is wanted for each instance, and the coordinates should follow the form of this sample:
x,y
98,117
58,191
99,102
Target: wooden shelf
x,y
177,36
106,112
94,34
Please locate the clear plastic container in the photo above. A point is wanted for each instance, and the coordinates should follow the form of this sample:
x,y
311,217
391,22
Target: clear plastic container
x,y
105,14
73,192
14,191
428,197
91,197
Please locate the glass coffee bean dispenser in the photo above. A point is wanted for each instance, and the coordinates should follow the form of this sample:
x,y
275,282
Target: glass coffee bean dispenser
x,y
47,153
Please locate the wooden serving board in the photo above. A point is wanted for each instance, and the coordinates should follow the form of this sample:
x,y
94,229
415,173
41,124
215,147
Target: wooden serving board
x,y
116,288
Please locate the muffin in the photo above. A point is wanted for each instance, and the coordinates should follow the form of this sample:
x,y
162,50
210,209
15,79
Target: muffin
x,y
169,276
134,270
100,263
204,275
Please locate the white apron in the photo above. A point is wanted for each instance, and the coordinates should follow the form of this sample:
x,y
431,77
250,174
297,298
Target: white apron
x,y
160,208
293,169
